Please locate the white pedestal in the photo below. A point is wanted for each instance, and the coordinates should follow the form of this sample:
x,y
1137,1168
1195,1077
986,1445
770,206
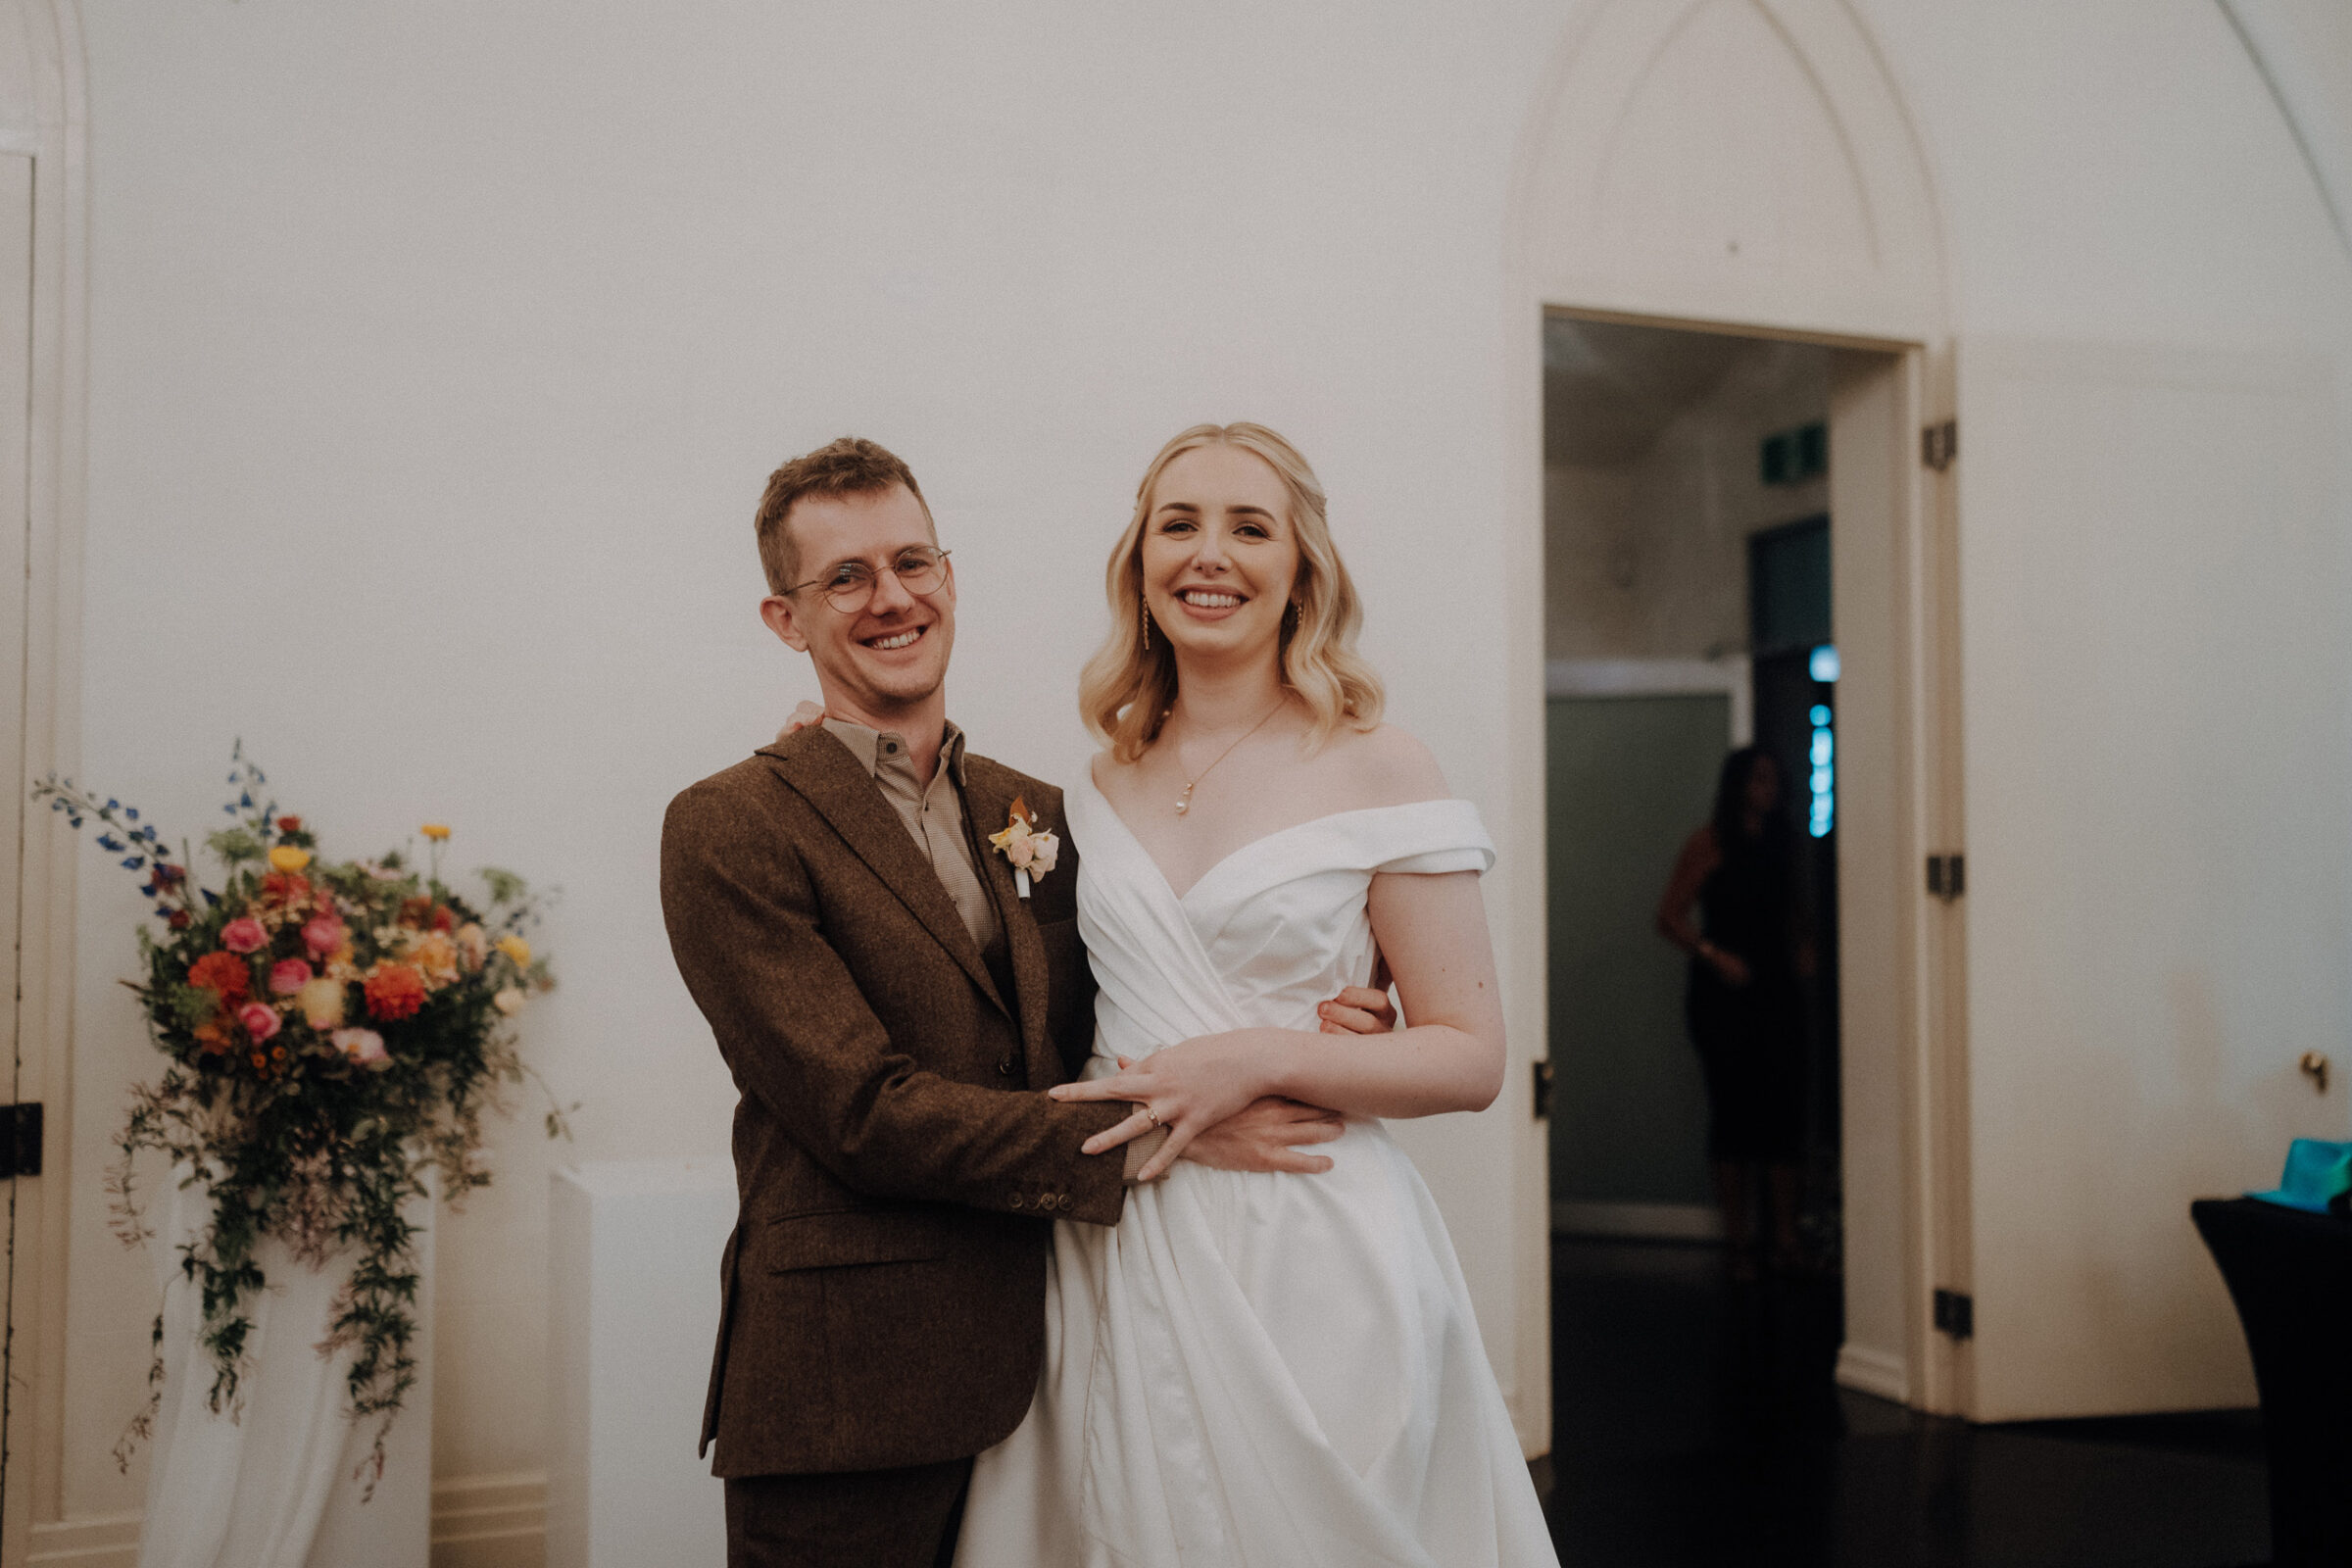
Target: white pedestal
x,y
394,1529
273,1485
633,1251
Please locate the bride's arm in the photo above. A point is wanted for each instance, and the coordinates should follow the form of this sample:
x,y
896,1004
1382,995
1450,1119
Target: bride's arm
x,y
1450,1056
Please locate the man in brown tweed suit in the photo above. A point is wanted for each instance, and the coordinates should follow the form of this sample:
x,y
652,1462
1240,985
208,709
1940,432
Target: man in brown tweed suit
x,y
890,1005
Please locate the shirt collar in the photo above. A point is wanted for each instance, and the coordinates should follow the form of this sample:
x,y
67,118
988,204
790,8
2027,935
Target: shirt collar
x,y
866,745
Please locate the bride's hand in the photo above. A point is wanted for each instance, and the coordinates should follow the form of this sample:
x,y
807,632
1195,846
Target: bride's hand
x,y
1357,1010
1187,1088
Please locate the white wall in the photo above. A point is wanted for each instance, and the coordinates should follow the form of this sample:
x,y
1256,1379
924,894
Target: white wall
x,y
2154,601
438,351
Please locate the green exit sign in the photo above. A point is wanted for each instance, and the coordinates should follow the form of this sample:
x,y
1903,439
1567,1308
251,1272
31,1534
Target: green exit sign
x,y
1794,456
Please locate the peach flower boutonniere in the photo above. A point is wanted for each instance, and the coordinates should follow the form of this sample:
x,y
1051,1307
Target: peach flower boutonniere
x,y
1031,849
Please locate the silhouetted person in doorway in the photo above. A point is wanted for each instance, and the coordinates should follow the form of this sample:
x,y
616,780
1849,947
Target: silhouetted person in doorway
x,y
1744,1004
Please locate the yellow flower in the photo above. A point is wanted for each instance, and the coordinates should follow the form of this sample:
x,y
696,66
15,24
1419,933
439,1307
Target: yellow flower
x,y
286,857
436,831
518,949
322,1004
436,954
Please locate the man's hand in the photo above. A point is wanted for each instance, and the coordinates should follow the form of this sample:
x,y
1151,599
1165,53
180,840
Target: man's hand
x,y
1358,1010
1267,1135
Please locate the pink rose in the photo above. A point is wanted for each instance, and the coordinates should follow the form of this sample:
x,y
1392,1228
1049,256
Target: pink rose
x,y
290,975
323,935
1043,849
259,1020
244,934
362,1047
1020,852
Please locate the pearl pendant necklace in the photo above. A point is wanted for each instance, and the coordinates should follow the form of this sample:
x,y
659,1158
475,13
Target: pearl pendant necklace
x,y
1184,801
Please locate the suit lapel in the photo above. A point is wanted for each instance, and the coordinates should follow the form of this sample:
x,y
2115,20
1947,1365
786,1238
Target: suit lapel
x,y
829,779
987,805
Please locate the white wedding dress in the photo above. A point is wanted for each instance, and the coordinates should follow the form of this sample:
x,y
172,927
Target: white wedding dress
x,y
1255,1370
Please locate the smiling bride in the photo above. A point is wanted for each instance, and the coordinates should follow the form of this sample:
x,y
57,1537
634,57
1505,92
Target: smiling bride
x,y
1255,1368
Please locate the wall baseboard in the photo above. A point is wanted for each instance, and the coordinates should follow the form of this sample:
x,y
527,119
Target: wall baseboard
x,y
103,1541
1668,1222
496,1521
1877,1372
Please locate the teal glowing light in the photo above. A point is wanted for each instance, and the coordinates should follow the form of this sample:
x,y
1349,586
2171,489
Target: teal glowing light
x,y
1823,755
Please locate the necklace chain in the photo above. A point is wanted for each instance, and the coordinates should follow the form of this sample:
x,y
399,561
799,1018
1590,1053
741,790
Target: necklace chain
x,y
1184,803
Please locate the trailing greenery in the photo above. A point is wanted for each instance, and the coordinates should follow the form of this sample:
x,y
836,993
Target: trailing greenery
x,y
333,1032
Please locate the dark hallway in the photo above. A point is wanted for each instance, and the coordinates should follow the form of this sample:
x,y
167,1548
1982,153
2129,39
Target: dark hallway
x,y
1696,1426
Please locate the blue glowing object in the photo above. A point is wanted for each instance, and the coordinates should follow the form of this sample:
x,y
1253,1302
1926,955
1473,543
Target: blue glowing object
x,y
1822,780
1823,663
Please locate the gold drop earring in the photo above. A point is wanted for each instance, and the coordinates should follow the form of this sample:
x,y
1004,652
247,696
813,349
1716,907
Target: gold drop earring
x,y
1143,612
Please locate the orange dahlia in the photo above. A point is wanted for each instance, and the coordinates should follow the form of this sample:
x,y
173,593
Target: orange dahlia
x,y
394,991
224,973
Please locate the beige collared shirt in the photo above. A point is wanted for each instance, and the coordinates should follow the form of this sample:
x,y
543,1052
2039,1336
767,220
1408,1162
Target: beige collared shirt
x,y
933,815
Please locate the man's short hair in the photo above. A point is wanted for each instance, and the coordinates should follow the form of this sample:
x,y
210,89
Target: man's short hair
x,y
850,467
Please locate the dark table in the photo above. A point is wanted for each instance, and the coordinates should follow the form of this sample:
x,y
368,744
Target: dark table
x,y
2290,1274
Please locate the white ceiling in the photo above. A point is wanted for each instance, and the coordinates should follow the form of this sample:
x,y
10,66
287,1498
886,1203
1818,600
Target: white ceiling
x,y
1609,389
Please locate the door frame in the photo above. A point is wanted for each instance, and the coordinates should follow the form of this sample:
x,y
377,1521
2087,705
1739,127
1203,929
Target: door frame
x,y
1923,1369
49,129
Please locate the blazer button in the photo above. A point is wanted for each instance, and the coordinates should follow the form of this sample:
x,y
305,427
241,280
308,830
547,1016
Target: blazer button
x,y
1004,1067
1016,1200
1063,1202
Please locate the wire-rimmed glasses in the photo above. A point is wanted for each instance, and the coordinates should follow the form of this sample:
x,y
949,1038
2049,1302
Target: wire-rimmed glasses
x,y
849,586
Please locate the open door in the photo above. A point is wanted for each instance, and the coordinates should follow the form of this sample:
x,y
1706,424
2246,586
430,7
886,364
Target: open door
x,y
2156,652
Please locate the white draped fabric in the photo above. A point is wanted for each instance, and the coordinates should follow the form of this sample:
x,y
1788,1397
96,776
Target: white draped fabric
x,y
273,1486
1254,1370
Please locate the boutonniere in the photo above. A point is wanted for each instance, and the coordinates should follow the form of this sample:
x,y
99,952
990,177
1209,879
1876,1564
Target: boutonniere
x,y
1031,851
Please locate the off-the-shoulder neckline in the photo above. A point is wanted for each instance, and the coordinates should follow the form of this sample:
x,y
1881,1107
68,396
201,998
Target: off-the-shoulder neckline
x,y
1258,843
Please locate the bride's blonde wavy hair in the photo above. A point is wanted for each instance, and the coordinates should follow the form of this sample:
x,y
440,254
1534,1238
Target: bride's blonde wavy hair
x,y
1126,689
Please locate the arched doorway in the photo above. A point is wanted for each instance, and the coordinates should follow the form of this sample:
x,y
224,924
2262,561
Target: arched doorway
x,y
1746,168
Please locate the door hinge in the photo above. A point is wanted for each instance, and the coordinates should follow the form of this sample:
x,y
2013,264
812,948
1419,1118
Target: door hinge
x,y
20,1139
1544,1090
1955,1313
1939,443
1947,876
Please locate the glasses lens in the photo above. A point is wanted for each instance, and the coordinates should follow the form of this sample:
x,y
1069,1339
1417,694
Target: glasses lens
x,y
849,586
919,570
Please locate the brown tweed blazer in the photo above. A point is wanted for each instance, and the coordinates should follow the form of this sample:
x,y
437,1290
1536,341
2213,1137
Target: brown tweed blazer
x,y
884,1286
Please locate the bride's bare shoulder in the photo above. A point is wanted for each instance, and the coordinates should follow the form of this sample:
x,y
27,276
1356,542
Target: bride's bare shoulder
x,y
1110,776
1386,765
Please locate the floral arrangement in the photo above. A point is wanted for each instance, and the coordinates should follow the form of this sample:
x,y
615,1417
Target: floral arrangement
x,y
332,1032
